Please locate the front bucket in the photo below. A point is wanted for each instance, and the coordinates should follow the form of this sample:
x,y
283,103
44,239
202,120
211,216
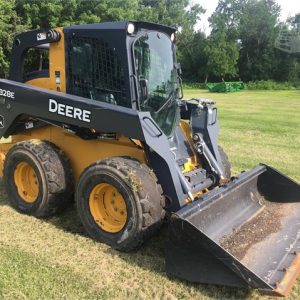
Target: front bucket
x,y
244,234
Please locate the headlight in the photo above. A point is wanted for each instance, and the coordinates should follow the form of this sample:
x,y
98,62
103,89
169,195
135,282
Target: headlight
x,y
130,28
173,37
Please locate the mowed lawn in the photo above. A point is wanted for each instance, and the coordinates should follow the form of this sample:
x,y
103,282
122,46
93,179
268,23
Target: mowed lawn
x,y
54,259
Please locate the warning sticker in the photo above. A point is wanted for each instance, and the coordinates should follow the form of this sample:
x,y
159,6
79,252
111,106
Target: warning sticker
x,y
41,36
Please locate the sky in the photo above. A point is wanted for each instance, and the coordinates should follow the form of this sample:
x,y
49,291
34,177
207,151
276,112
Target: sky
x,y
288,8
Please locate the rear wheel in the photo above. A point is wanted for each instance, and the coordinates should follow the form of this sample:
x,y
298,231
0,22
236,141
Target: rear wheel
x,y
37,178
120,202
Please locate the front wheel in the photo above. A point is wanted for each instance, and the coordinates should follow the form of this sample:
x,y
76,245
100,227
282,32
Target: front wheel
x,y
120,202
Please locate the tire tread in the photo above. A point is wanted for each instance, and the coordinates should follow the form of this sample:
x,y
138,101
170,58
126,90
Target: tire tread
x,y
53,161
152,210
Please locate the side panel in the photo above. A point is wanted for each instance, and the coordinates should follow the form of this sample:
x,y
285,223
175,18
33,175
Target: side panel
x,y
69,110
50,106
81,152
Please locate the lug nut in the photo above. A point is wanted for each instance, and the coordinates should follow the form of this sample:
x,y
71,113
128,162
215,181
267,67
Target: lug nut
x,y
196,137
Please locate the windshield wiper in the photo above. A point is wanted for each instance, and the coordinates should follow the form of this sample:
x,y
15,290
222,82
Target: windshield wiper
x,y
170,98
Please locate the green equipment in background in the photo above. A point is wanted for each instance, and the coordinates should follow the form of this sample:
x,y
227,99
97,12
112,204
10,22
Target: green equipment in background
x,y
224,87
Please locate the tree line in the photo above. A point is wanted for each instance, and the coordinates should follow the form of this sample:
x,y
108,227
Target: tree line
x,y
241,44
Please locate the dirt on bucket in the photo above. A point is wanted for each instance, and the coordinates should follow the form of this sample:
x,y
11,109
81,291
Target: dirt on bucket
x,y
255,230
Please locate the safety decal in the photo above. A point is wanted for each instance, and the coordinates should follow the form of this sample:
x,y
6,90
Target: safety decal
x,y
41,36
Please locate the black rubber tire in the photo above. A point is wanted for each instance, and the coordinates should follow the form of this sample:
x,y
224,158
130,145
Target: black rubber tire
x,y
141,192
226,163
54,175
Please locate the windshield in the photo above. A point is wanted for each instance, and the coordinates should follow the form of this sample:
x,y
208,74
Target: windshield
x,y
155,65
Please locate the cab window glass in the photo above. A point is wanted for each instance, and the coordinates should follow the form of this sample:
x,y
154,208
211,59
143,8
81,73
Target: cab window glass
x,y
36,64
95,71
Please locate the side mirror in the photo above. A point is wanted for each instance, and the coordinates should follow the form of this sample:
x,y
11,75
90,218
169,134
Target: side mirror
x,y
144,88
178,68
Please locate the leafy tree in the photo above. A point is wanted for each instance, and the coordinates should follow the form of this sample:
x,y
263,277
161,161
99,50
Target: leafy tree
x,y
106,10
44,14
181,15
243,31
288,64
222,50
227,18
257,34
192,56
295,22
10,25
222,56
53,13
176,13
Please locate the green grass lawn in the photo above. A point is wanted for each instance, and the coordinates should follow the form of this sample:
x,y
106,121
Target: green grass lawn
x,y
54,259
259,126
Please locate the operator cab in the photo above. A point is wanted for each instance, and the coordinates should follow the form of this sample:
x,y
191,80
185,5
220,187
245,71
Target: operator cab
x,y
129,64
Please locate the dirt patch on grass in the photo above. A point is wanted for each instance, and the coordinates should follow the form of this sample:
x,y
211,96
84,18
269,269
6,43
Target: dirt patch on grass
x,y
261,225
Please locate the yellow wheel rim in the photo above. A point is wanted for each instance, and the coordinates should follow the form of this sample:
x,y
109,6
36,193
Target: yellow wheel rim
x,y
108,207
27,182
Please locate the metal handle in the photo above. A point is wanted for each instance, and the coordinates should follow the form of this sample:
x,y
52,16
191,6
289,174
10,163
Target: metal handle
x,y
216,116
155,125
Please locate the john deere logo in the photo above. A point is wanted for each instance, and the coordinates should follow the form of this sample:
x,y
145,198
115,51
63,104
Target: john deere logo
x,y
1,122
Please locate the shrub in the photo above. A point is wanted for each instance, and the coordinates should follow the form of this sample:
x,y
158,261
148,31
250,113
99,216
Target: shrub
x,y
253,85
194,85
272,85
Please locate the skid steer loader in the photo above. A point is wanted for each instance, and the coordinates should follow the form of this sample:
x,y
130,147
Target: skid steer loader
x,y
97,110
